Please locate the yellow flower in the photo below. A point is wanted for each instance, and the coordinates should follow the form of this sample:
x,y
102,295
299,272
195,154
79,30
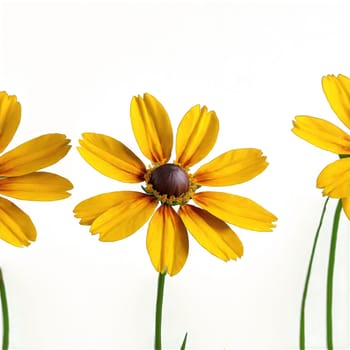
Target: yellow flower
x,y
334,179
19,177
117,215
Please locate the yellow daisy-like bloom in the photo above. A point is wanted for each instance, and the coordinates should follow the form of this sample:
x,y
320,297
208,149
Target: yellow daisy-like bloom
x,y
334,179
117,215
19,177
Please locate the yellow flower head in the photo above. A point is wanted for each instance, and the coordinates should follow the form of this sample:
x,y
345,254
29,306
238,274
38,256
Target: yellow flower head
x,y
117,215
334,179
19,177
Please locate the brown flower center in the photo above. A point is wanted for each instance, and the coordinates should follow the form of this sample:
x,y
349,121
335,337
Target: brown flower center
x,y
170,180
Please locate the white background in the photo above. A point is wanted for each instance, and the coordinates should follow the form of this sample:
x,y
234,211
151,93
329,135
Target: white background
x,y
74,66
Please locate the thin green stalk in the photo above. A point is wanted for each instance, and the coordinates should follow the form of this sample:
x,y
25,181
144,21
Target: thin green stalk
x,y
159,308
183,345
330,275
5,314
303,302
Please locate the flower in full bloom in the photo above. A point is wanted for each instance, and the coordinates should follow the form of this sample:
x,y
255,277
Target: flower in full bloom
x,y
117,215
19,177
334,179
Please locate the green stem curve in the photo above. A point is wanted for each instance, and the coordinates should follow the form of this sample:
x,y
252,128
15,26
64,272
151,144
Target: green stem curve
x,y
159,308
306,285
5,314
330,274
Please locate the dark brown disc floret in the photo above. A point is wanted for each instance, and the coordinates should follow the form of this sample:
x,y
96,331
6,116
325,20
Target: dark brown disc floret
x,y
170,180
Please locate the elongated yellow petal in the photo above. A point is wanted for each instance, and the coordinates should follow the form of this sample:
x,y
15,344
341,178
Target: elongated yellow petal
x,y
16,227
337,91
152,128
125,218
111,158
231,168
322,133
211,233
91,208
335,179
196,135
38,186
33,155
10,116
346,206
167,241
236,210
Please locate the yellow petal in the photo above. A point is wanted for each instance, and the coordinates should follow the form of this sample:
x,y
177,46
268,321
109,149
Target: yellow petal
x,y
38,186
91,208
124,218
167,241
111,158
10,116
335,179
337,91
211,233
322,133
231,168
196,135
33,155
152,128
236,210
16,227
346,206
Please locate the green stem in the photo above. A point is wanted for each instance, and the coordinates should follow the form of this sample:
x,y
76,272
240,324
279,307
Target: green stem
x,y
159,308
183,345
5,314
302,314
330,274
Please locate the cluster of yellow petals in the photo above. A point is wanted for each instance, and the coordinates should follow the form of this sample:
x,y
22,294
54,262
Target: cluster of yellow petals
x,y
334,179
116,215
19,175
